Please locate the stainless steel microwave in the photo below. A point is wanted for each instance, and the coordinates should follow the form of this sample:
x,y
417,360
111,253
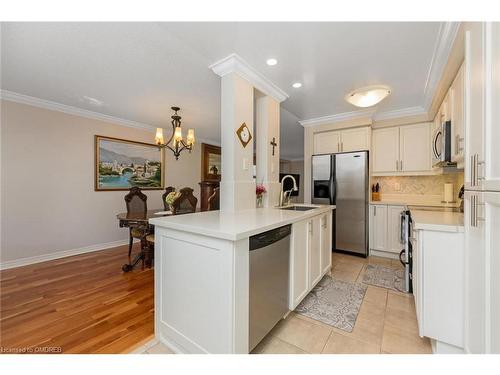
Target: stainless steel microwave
x,y
441,146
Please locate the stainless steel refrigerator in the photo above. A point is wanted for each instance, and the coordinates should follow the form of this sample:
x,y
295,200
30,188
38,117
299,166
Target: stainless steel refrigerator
x,y
342,180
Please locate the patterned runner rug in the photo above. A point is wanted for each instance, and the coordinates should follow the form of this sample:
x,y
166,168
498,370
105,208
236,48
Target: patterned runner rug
x,y
385,277
334,302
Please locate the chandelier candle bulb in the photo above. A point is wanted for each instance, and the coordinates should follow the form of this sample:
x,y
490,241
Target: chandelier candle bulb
x,y
190,137
178,134
159,136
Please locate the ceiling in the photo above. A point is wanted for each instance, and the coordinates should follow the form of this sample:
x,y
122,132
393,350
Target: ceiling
x,y
137,71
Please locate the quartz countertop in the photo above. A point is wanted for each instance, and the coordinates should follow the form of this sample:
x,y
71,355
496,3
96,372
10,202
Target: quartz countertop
x,y
438,220
237,225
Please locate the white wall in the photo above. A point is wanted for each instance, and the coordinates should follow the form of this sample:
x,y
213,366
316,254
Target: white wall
x,y
48,200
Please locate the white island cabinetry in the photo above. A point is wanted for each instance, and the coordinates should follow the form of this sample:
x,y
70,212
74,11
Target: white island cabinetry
x,y
202,272
310,255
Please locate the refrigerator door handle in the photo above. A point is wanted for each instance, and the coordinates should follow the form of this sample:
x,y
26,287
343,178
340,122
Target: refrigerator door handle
x,y
332,180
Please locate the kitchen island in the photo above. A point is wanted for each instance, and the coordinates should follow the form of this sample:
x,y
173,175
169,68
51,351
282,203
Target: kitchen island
x,y
202,272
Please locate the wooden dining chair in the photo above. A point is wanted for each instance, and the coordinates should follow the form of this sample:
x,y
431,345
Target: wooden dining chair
x,y
136,202
213,200
185,202
168,190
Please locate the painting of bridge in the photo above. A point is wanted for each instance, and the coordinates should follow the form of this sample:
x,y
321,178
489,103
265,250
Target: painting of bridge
x,y
122,164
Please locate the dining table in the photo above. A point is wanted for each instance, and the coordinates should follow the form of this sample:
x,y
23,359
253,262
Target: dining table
x,y
141,220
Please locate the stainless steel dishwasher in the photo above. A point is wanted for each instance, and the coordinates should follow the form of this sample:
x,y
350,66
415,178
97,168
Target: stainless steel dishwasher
x,y
269,268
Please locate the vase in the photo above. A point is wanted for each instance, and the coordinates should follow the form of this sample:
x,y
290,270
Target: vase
x,y
259,201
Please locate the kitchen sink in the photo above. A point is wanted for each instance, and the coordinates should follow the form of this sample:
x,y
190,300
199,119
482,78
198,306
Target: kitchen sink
x,y
299,208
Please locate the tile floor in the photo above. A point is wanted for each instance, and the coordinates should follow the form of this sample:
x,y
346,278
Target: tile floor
x,y
386,323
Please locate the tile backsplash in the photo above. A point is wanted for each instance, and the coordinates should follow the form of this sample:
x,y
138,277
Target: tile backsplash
x,y
418,185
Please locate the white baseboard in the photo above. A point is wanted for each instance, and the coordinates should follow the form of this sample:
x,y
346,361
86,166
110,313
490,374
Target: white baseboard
x,y
60,254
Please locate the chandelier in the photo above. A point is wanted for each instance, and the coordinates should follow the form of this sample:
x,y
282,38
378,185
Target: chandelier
x,y
176,143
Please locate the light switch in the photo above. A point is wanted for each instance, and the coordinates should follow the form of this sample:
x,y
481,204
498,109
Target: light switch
x,y
245,164
397,186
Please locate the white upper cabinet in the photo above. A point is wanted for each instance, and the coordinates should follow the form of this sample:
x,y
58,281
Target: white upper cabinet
x,y
457,99
385,150
327,142
357,139
414,148
402,150
346,140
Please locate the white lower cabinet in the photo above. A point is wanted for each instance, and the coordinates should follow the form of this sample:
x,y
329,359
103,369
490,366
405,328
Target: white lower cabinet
x,y
438,287
385,228
310,255
378,227
326,243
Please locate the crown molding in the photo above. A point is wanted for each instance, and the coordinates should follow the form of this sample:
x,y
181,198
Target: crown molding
x,y
444,43
70,110
54,106
236,64
339,117
398,113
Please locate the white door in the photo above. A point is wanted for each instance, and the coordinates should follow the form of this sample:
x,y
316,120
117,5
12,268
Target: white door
x,y
299,263
482,279
326,243
492,108
394,229
315,251
326,142
474,104
415,148
385,150
357,139
378,227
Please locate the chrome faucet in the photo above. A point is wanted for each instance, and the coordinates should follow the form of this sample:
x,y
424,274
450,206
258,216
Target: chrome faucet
x,y
284,194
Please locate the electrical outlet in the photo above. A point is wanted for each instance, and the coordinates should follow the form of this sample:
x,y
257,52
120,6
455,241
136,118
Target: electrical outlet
x,y
397,186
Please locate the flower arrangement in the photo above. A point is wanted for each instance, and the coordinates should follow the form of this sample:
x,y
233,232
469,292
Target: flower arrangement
x,y
260,190
171,197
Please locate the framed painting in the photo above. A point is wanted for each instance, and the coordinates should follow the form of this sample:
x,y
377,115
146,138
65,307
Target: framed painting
x,y
210,162
121,164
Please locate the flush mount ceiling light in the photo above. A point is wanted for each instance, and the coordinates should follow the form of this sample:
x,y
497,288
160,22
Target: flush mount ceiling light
x,y
271,62
297,85
368,96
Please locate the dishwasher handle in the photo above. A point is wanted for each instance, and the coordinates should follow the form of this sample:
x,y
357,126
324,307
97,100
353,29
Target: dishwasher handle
x,y
267,238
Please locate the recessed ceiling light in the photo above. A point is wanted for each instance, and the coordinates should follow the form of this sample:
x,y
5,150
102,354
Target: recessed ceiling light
x,y
297,85
271,62
368,96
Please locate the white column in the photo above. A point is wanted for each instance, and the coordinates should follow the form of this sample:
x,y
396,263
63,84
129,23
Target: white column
x,y
237,187
267,130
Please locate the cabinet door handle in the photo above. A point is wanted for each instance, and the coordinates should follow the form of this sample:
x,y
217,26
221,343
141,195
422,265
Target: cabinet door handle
x,y
397,165
374,210
401,165
342,146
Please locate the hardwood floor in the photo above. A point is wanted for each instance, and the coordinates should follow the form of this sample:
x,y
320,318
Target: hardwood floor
x,y
82,304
